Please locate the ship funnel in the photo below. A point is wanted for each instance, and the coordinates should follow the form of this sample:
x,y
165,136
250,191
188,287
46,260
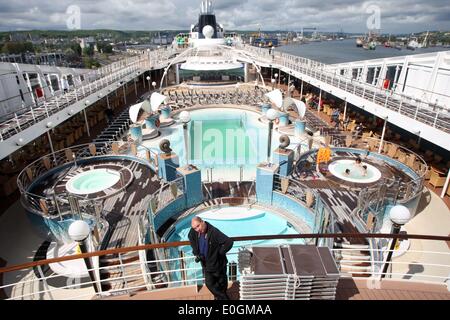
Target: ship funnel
x,y
207,7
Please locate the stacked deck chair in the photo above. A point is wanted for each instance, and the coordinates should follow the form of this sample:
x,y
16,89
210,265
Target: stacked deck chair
x,y
287,272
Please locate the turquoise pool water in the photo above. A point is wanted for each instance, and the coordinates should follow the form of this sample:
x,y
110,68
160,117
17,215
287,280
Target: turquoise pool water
x,y
221,138
93,181
255,222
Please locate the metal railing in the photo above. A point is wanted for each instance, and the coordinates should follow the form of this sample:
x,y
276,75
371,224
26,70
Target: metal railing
x,y
399,155
169,192
37,280
69,157
43,109
422,111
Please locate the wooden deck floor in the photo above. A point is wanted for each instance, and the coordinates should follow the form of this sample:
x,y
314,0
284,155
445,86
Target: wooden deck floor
x,y
348,289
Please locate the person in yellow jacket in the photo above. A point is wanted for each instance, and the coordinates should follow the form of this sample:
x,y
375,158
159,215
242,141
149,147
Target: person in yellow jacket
x,y
324,155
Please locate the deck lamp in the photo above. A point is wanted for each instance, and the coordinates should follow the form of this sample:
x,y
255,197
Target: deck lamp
x,y
185,118
79,231
20,142
399,216
271,115
273,82
149,87
154,85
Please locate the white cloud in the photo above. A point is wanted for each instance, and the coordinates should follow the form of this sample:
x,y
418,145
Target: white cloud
x,y
330,15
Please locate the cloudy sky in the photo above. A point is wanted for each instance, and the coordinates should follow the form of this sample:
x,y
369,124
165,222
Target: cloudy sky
x,y
395,16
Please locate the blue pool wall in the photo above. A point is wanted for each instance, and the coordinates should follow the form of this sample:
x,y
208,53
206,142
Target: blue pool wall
x,y
294,207
285,202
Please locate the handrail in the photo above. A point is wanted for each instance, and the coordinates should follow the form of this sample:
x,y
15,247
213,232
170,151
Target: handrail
x,y
414,181
81,152
124,68
320,72
243,238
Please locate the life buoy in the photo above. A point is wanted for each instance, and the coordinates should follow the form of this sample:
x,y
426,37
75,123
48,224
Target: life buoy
x,y
157,123
277,120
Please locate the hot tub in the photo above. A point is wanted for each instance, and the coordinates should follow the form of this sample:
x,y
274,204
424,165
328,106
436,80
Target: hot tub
x,y
338,167
93,181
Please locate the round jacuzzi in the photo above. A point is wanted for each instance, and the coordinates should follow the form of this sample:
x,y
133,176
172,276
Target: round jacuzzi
x,y
93,181
356,175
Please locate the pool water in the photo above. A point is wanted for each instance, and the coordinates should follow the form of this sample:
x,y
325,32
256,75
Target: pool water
x,y
93,181
224,138
337,168
234,222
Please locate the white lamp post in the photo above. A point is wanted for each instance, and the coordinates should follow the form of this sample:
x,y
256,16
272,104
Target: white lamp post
x,y
185,118
154,85
399,216
149,87
271,114
79,231
273,82
276,77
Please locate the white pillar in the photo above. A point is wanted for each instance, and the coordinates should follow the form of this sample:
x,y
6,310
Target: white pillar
x,y
177,74
87,123
382,135
345,109
301,89
446,185
245,72
320,100
51,145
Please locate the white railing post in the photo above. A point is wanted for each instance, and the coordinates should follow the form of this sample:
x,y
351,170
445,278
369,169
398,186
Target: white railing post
x,y
417,111
444,190
386,101
47,289
435,119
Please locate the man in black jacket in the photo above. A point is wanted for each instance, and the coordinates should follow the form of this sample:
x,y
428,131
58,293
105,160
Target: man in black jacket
x,y
210,246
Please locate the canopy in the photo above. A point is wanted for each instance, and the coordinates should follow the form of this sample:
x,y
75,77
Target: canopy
x,y
156,99
134,110
276,97
299,105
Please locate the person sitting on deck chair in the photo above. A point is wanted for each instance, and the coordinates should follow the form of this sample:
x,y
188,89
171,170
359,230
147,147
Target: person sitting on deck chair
x,y
209,246
359,130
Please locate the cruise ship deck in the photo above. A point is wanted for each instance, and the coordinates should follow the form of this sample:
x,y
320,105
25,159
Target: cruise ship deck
x,y
332,180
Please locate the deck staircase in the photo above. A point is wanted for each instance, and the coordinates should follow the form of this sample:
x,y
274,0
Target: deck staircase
x,y
353,259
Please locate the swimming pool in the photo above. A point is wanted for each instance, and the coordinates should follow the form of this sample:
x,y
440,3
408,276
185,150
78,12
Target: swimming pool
x,y
92,181
223,138
338,167
234,222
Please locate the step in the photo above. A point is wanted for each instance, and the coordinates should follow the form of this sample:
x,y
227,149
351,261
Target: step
x,y
355,256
